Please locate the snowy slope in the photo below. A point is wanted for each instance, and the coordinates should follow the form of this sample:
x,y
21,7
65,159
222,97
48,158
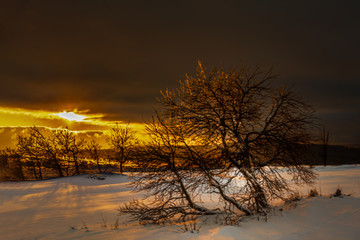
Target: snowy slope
x,y
61,208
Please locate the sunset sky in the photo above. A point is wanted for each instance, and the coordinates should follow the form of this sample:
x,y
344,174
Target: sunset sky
x,y
106,61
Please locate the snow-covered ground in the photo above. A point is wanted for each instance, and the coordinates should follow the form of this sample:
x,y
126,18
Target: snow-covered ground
x,y
62,208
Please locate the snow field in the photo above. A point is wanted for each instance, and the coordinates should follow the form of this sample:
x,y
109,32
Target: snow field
x,y
86,208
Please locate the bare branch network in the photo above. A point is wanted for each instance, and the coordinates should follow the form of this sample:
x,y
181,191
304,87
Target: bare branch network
x,y
230,134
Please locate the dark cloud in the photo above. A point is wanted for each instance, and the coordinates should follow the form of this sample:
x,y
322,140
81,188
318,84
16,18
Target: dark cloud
x,y
113,57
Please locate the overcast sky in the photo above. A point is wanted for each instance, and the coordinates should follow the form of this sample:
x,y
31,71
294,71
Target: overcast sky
x,y
113,57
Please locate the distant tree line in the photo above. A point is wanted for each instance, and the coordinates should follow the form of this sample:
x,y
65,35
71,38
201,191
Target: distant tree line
x,y
60,152
40,155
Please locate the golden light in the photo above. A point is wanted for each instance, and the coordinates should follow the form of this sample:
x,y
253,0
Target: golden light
x,y
71,116
76,120
81,122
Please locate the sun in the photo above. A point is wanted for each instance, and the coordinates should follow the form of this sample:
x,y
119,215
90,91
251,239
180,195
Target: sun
x,y
71,116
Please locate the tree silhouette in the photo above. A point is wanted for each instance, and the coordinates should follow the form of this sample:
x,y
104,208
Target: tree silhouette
x,y
47,147
122,139
94,149
257,127
69,146
234,133
31,153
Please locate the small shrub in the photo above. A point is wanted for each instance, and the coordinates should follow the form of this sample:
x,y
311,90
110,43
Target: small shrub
x,y
85,227
338,193
291,201
313,193
116,225
97,176
293,198
232,220
190,225
103,220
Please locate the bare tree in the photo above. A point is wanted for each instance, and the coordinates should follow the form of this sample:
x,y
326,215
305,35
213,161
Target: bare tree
x,y
12,166
70,147
227,133
94,149
122,139
57,149
257,128
32,154
48,148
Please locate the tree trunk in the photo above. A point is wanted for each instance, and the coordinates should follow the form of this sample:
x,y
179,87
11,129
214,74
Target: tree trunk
x,y
77,170
20,172
34,171
58,167
39,167
98,164
188,198
258,192
121,160
121,167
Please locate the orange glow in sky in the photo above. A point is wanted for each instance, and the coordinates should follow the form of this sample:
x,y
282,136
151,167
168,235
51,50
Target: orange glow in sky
x,y
75,120
90,125
71,116
19,117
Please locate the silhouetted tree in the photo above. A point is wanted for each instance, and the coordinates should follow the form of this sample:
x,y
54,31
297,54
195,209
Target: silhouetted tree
x,y
11,165
48,147
224,133
256,127
69,146
94,149
122,139
32,154
237,133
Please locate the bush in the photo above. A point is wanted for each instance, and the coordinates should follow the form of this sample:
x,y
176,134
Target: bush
x,y
338,193
313,193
